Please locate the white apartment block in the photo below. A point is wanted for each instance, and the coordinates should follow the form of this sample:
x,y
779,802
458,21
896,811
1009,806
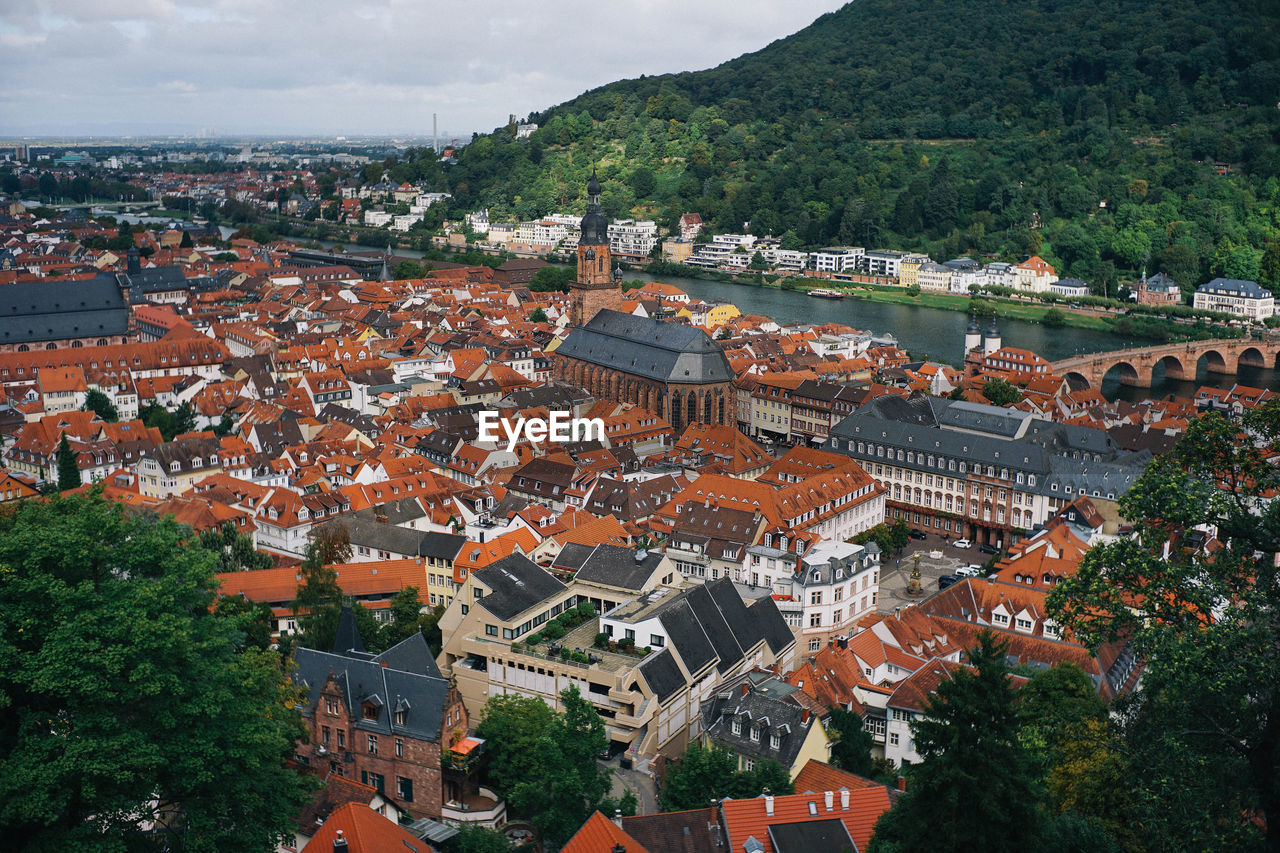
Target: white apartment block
x,y
837,259
1235,296
629,237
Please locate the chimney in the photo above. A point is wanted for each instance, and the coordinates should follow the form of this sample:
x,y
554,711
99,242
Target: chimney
x,y
768,804
340,843
617,818
804,717
746,688
828,799
844,800
902,783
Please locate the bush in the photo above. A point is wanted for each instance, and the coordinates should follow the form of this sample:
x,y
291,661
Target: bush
x,y
534,638
553,631
626,644
579,657
586,609
601,641
565,654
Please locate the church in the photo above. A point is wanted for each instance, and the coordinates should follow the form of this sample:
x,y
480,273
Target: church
x,y
676,371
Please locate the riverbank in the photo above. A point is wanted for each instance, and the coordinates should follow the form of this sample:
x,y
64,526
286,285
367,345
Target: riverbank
x,y
1004,308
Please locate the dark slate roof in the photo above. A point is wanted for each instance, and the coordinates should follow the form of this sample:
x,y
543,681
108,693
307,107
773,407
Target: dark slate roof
x,y
1234,287
665,352
348,637
516,583
773,625
52,310
776,716
155,280
402,684
613,565
675,832
399,540
806,836
715,624
687,636
662,674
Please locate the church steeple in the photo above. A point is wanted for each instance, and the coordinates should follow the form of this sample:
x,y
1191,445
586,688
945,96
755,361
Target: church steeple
x,y
596,287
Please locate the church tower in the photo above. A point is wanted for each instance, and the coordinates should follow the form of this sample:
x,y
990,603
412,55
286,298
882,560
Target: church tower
x,y
596,287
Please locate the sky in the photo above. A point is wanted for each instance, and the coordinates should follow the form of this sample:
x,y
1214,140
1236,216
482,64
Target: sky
x,y
326,67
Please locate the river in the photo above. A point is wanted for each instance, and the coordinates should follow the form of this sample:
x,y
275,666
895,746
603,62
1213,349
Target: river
x,y
938,335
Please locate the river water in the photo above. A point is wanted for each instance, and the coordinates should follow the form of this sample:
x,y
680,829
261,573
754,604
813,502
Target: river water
x,y
938,335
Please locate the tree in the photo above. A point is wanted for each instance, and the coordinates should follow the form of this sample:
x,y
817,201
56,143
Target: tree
x,y
1205,724
477,839
97,402
706,773
234,549
975,789
1054,318
1233,261
538,315
551,278
48,185
852,749
406,610
1269,267
409,269
111,657
68,470
643,182
547,760
254,618
1000,393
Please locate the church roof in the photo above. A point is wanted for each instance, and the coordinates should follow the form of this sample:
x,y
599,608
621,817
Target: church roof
x,y
653,349
53,310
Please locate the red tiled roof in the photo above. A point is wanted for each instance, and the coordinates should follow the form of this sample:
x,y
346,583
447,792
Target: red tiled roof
x,y
366,831
601,835
749,818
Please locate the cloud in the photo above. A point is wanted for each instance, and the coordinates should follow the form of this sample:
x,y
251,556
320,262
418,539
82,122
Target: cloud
x,y
331,66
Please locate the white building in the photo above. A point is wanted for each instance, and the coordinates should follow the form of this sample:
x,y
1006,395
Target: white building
x,y
837,259
1235,296
633,239
376,218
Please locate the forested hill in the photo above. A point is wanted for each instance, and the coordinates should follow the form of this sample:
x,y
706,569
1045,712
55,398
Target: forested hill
x,y
1091,131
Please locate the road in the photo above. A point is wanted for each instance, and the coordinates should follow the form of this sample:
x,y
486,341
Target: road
x,y
638,781
895,573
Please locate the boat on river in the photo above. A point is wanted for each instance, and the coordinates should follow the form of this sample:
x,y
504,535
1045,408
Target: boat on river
x,y
826,293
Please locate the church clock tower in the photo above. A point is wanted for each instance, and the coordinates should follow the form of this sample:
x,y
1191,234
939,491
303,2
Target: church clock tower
x,y
596,287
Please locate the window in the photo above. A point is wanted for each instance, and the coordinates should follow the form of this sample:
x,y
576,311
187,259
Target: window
x,y
748,764
373,780
373,744
331,706
342,739
815,597
736,726
815,620
400,747
775,741
491,630
656,640
630,634
404,787
815,645
893,738
369,711
400,717
324,735
755,733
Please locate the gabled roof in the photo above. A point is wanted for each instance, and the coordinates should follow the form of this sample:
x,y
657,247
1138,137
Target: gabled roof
x,y
515,584
666,352
601,835
365,831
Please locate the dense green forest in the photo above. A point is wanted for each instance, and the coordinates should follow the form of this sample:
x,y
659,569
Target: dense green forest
x,y
1092,133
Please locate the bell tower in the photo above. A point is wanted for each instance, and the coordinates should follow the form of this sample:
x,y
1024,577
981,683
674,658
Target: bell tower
x,y
596,287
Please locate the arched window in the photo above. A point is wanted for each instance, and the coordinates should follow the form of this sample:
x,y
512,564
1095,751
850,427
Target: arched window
x,y
51,345
76,344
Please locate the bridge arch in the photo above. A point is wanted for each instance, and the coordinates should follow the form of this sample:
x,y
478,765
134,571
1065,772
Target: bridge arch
x,y
1123,371
1213,362
1173,368
1251,357
1077,380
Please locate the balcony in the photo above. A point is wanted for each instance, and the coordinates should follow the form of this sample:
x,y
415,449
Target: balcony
x,y
482,809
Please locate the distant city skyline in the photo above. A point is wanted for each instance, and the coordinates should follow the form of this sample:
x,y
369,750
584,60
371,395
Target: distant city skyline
x,y
260,67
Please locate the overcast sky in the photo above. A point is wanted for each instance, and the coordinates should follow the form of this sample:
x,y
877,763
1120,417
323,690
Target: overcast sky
x,y
343,67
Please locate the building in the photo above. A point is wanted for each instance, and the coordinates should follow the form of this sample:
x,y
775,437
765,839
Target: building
x,y
1235,296
383,719
677,372
596,289
1160,289
50,314
1035,274
754,717
980,472
632,241
837,259
1070,288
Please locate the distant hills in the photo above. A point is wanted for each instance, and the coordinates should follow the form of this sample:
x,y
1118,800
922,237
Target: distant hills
x,y
1092,132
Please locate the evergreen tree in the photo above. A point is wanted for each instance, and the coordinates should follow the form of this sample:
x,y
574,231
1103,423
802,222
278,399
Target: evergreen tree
x,y
98,403
852,749
975,789
68,470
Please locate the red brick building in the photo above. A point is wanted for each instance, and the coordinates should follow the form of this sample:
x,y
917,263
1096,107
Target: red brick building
x,y
382,720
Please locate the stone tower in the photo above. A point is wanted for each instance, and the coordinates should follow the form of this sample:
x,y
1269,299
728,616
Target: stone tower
x,y
596,287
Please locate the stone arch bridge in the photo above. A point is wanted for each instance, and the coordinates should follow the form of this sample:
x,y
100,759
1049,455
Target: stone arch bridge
x,y
1136,366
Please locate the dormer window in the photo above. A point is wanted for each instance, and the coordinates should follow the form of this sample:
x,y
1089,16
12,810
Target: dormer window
x,y
775,741
401,717
369,711
755,733
736,726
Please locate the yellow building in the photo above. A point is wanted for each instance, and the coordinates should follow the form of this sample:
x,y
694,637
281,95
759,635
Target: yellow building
x,y
720,315
909,271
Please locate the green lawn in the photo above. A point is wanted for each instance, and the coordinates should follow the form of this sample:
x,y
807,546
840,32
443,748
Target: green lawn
x,y
1031,312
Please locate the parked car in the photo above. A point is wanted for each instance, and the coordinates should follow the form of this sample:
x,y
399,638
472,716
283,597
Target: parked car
x,y
947,580
969,571
989,549
962,543
917,533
